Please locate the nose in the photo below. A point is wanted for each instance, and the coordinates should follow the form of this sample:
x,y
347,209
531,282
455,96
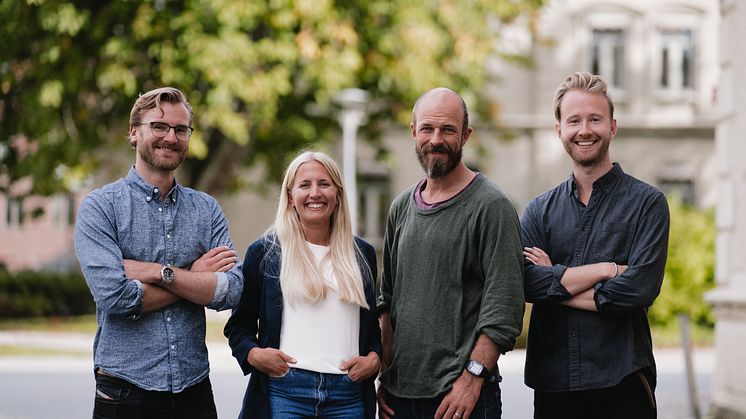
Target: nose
x,y
314,191
171,136
436,137
585,129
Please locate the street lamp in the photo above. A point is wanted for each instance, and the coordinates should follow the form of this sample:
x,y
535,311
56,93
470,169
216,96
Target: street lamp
x,y
352,114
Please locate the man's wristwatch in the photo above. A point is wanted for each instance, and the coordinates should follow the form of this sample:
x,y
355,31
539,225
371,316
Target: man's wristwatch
x,y
167,276
478,369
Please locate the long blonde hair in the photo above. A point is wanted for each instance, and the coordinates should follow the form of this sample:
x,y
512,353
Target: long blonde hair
x,y
300,275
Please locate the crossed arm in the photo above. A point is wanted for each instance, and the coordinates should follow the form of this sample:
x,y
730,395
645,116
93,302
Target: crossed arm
x,y
196,284
580,280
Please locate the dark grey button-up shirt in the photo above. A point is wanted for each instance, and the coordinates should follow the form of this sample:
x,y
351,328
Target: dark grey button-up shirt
x,y
626,221
163,350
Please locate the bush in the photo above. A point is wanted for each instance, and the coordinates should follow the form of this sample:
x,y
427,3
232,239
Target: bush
x,y
38,293
690,270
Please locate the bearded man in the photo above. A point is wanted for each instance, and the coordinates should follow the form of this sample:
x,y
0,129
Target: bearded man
x,y
154,253
452,285
595,249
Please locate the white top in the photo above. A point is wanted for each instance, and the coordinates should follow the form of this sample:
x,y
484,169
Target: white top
x,y
322,335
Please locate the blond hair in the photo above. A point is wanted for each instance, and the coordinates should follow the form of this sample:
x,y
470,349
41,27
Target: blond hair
x,y
153,99
300,275
585,82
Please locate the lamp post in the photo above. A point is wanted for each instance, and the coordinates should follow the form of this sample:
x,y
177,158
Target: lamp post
x,y
352,114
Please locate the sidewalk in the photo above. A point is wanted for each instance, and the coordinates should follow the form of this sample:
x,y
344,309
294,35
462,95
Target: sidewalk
x,y
75,355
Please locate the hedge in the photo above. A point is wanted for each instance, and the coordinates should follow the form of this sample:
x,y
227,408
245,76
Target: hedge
x,y
39,293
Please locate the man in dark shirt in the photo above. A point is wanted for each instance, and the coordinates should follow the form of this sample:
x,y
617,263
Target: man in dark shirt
x,y
595,249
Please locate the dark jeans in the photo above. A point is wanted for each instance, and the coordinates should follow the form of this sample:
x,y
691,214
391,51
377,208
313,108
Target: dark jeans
x,y
488,405
632,398
118,399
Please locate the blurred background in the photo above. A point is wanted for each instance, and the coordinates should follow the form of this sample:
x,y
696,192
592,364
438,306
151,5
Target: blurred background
x,y
269,78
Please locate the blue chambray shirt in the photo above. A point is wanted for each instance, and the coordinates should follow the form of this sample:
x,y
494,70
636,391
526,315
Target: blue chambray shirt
x,y
163,350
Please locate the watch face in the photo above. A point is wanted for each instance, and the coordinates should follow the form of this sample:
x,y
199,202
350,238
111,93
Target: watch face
x,y
475,367
167,275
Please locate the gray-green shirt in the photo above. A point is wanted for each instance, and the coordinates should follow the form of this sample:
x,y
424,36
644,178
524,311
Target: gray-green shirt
x,y
449,274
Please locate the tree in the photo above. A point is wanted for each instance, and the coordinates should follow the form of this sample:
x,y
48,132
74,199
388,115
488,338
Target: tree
x,y
260,75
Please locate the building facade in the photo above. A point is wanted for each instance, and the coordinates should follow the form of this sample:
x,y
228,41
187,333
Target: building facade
x,y
729,298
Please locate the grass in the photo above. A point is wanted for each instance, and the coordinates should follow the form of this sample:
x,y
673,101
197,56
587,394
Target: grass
x,y
22,350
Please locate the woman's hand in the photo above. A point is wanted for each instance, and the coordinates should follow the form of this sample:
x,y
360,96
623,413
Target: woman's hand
x,y
361,367
270,361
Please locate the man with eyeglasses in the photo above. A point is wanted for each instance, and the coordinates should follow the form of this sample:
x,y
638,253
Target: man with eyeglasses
x,y
155,253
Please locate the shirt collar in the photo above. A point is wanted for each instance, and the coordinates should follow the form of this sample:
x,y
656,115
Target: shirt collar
x,y
605,182
149,191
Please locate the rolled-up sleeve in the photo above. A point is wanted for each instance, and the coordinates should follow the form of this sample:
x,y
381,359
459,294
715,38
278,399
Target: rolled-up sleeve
x,y
229,284
542,283
100,260
639,285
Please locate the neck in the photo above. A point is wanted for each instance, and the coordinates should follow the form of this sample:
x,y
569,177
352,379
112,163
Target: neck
x,y
585,176
161,179
443,188
317,235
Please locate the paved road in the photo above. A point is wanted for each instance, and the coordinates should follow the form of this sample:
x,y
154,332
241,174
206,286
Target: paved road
x,y
42,387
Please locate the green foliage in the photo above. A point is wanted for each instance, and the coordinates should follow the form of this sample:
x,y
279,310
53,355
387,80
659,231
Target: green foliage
x,y
261,75
690,270
32,293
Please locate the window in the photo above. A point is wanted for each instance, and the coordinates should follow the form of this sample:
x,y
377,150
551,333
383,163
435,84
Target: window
x,y
681,190
14,211
607,56
676,60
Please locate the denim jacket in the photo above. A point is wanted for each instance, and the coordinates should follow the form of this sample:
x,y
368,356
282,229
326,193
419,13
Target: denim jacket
x,y
163,350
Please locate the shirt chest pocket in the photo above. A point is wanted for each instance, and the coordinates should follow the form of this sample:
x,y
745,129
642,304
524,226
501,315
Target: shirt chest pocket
x,y
612,243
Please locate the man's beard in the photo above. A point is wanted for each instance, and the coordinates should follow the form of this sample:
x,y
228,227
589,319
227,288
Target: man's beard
x,y
592,160
436,168
147,154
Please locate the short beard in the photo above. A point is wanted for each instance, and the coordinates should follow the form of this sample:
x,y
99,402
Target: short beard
x,y
435,169
148,156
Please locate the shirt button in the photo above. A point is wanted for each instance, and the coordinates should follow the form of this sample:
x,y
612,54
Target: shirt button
x,y
155,190
168,319
148,199
168,236
173,347
160,209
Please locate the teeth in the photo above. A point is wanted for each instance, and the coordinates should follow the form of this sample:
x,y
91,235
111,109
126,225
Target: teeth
x,y
585,142
315,205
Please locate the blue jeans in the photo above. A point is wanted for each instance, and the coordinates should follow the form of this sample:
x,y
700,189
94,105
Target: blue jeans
x,y
488,405
119,399
307,394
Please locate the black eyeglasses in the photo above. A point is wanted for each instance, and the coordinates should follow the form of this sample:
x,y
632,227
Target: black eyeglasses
x,y
161,129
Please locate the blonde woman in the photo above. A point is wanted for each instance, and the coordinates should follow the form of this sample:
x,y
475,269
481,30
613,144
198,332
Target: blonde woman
x,y
307,328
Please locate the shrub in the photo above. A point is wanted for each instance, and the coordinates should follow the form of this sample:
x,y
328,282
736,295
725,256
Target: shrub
x,y
690,270
39,293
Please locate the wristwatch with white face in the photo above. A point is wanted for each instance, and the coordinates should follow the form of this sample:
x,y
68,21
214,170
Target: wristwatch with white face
x,y
476,368
167,276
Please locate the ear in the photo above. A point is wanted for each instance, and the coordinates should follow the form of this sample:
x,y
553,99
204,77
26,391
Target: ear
x,y
413,128
466,135
613,128
558,129
133,137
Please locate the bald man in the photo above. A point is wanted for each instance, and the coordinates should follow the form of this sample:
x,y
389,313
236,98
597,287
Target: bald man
x,y
452,285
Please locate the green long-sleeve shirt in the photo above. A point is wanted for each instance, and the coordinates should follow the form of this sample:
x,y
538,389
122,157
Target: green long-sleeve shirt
x,y
449,274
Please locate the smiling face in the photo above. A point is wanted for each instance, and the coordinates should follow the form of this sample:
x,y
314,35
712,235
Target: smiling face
x,y
438,132
586,128
160,154
314,196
